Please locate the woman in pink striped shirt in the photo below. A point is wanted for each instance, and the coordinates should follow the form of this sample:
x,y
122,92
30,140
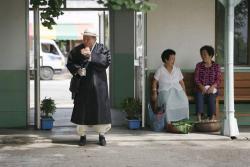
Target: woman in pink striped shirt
x,y
207,80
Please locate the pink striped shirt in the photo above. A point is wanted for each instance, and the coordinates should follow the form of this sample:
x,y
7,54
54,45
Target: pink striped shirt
x,y
207,75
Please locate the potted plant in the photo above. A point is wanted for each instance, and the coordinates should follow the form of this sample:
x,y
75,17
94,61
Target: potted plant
x,y
132,107
48,108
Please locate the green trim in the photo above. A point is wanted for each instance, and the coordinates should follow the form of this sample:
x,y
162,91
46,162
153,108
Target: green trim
x,y
239,69
240,108
122,78
236,69
182,70
187,70
13,97
13,119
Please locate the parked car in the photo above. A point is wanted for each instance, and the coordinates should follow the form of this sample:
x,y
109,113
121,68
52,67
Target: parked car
x,y
51,59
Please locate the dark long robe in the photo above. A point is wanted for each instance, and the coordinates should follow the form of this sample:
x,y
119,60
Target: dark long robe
x,y
91,102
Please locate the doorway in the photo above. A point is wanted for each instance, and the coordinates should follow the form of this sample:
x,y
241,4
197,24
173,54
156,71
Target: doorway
x,y
56,44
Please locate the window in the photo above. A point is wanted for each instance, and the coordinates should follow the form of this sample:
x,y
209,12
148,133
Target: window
x,y
48,48
241,33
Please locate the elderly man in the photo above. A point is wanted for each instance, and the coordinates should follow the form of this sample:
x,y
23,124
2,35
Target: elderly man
x,y
87,63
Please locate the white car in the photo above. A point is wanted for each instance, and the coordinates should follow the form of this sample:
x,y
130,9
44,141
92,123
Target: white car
x,y
51,59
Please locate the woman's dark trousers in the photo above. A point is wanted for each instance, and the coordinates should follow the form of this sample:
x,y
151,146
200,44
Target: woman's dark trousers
x,y
201,99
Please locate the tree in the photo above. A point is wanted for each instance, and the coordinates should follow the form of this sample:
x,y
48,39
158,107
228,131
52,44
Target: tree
x,y
51,9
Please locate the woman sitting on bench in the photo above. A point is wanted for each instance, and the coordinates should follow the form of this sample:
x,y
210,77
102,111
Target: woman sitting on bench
x,y
171,89
207,80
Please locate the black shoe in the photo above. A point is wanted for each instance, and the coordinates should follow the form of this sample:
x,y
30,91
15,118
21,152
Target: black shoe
x,y
102,140
82,141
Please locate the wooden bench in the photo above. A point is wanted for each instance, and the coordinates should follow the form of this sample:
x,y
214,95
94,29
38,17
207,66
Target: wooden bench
x,y
241,88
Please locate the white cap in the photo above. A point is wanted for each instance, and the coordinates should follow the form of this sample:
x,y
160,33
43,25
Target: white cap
x,y
89,32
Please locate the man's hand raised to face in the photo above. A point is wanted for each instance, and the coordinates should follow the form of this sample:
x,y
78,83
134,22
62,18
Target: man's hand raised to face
x,y
86,52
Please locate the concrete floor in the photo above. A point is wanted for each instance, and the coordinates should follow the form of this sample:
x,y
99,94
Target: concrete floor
x,y
125,148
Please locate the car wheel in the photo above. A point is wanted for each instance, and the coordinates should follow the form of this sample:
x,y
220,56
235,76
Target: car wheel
x,y
46,73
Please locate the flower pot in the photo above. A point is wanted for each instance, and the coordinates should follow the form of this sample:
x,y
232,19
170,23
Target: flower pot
x,y
134,124
47,123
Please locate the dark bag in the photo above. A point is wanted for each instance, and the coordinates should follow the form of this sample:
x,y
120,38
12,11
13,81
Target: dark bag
x,y
75,84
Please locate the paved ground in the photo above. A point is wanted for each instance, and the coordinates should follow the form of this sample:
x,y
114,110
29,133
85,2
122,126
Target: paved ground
x,y
62,117
56,89
126,148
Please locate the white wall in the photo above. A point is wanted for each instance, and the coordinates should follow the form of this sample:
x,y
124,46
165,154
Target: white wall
x,y
13,35
183,25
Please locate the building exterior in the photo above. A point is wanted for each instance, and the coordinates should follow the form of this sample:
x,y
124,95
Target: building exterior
x,y
13,65
183,25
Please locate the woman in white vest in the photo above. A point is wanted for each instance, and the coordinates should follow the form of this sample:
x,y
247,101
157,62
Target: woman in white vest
x,y
168,89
